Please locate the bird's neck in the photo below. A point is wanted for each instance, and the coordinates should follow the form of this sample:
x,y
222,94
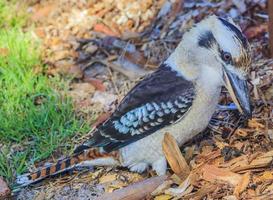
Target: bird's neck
x,y
181,66
204,77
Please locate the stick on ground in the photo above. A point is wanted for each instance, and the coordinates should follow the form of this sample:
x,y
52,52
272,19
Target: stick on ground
x,y
136,191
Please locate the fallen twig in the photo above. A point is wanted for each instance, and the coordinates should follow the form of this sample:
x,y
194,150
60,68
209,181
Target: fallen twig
x,y
135,191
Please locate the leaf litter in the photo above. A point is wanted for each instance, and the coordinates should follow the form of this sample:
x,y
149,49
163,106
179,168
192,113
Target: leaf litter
x,y
108,45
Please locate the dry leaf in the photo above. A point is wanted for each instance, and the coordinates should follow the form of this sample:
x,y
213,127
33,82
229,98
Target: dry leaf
x,y
105,29
98,84
81,91
41,12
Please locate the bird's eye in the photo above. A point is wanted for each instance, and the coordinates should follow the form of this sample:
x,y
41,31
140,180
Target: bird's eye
x,y
227,57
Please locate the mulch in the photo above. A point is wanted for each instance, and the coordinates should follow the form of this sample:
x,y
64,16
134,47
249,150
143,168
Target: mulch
x,y
108,45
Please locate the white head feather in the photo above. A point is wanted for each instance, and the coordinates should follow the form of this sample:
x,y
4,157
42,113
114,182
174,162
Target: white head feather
x,y
193,61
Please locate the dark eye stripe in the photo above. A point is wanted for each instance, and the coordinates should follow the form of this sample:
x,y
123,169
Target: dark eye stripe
x,y
207,40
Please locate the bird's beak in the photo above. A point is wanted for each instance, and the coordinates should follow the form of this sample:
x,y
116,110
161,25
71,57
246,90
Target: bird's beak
x,y
237,87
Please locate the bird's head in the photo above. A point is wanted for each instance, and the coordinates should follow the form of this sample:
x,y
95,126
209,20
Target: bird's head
x,y
216,51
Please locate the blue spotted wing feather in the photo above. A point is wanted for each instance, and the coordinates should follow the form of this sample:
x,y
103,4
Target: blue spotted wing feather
x,y
160,99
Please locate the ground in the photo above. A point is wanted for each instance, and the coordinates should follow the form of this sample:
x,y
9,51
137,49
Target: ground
x,y
90,54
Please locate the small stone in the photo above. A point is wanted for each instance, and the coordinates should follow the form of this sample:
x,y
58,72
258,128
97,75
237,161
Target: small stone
x,y
90,48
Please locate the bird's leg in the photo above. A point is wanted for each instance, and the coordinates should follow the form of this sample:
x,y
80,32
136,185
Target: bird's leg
x,y
160,166
138,167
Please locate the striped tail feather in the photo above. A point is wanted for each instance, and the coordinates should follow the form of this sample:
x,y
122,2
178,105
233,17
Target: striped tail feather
x,y
60,166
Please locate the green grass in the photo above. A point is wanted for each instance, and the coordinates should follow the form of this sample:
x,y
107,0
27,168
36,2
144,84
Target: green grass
x,y
35,119
12,13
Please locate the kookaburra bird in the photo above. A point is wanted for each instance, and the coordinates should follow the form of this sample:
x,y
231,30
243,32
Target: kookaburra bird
x,y
179,98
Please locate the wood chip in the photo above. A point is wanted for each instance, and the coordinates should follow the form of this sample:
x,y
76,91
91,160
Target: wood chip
x,y
263,160
160,189
212,173
174,157
201,193
181,190
241,186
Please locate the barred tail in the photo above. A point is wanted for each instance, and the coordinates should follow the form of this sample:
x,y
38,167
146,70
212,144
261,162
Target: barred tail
x,y
59,167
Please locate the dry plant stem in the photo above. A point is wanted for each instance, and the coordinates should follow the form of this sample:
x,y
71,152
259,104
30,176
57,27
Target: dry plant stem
x,y
270,26
135,191
174,157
